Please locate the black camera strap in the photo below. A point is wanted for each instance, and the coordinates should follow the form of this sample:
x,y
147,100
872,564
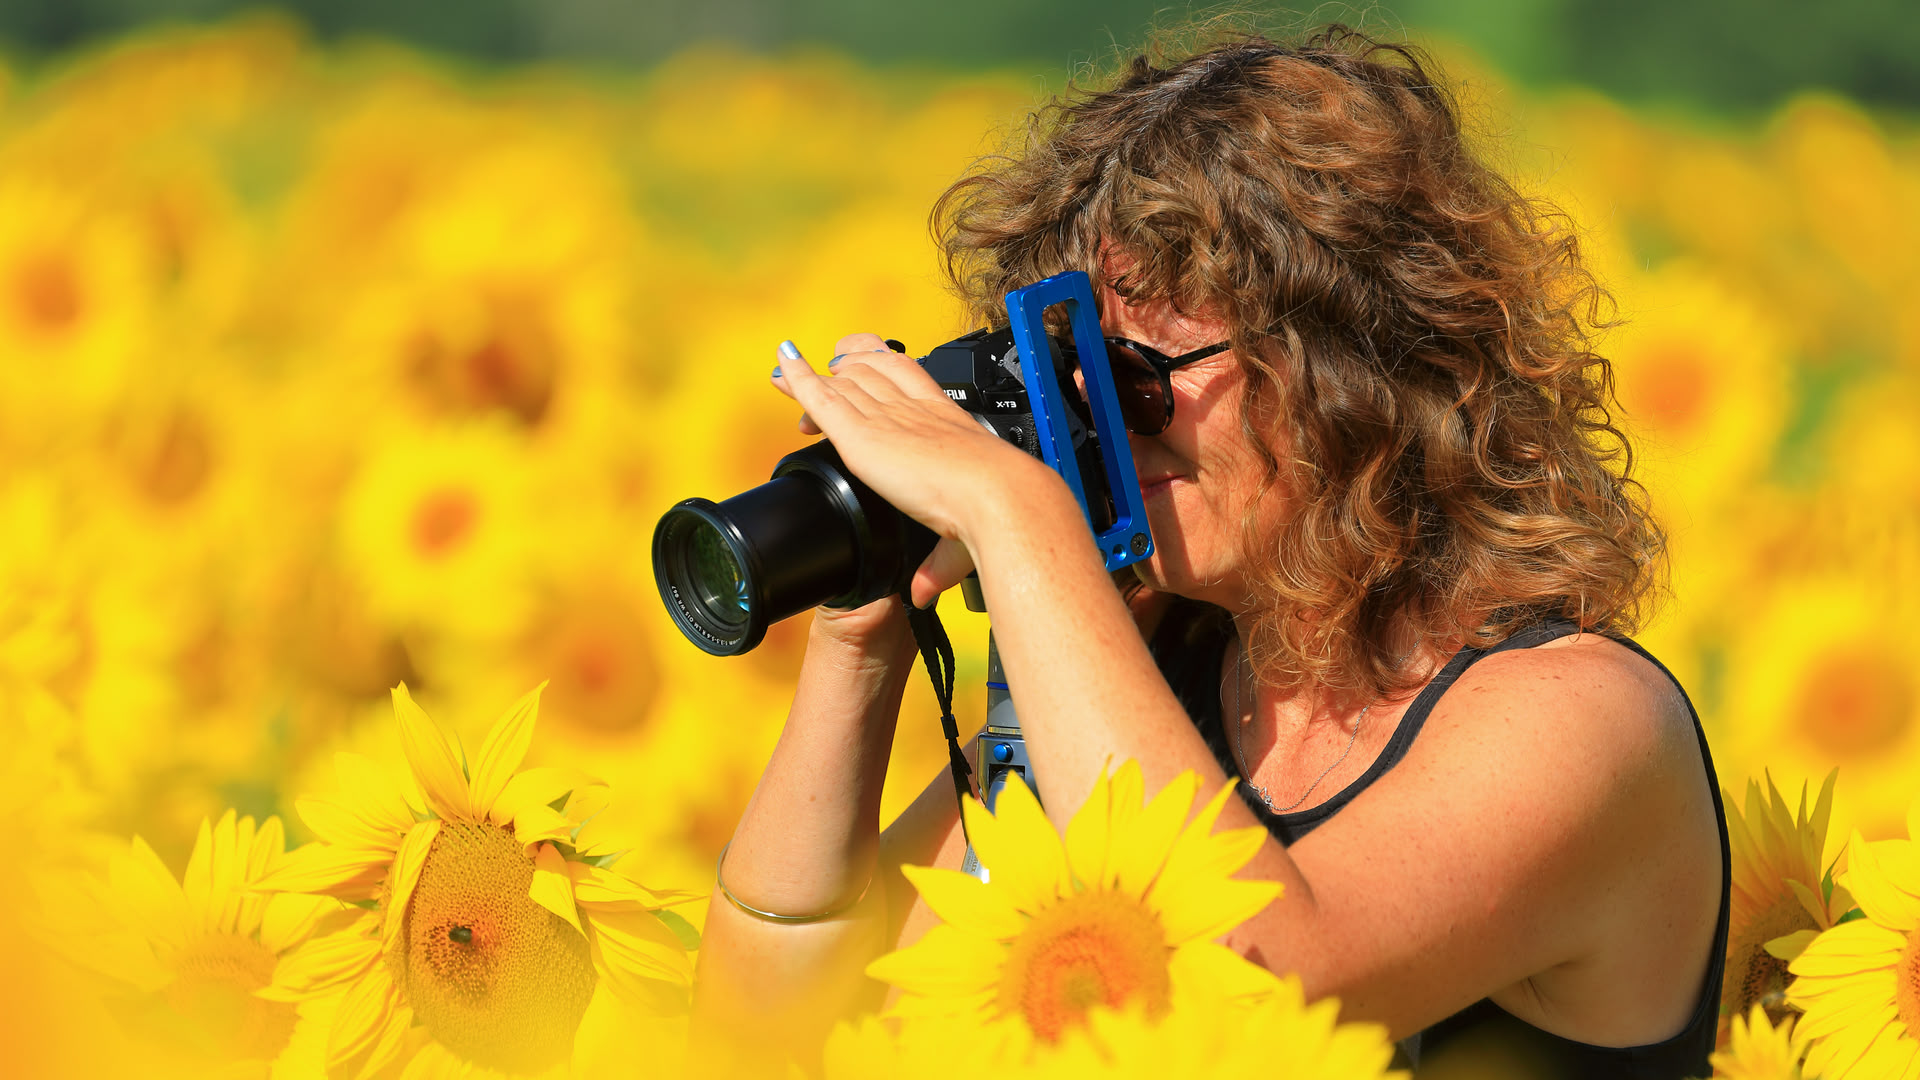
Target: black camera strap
x,y
936,651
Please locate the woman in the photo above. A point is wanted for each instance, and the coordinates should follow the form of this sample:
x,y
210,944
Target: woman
x,y
1392,561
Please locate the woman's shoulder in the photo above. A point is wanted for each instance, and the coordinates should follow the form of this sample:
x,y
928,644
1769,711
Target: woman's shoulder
x,y
1584,685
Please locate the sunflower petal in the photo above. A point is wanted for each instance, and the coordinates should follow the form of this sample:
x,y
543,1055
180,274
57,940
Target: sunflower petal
x,y
594,887
404,876
1874,890
1213,971
945,962
374,792
196,882
552,887
143,892
535,787
1019,848
1788,946
1089,836
347,873
638,944
433,757
967,903
1153,832
344,825
286,919
532,824
503,751
322,965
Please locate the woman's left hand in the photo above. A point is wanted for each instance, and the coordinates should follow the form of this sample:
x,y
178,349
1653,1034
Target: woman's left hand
x,y
895,429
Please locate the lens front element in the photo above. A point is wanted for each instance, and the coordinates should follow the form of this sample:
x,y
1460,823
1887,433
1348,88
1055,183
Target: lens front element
x,y
714,577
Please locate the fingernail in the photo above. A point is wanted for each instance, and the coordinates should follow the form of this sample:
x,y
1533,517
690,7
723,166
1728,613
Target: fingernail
x,y
833,362
789,351
776,372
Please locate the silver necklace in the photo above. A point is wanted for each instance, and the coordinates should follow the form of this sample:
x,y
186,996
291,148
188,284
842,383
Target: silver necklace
x,y
1239,744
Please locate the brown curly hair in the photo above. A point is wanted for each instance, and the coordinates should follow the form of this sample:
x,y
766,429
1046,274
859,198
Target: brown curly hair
x,y
1416,334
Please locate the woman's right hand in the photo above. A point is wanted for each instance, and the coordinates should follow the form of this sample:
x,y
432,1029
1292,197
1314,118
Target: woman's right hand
x,y
872,637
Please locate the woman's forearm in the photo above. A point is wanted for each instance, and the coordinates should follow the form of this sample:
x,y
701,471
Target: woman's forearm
x,y
806,844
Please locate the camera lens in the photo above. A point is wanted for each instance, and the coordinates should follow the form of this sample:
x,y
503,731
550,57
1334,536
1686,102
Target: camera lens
x,y
714,577
811,535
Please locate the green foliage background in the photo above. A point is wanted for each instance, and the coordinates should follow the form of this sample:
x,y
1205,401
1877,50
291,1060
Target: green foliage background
x,y
1730,56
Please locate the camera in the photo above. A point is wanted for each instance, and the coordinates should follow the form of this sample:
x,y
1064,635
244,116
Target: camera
x,y
815,534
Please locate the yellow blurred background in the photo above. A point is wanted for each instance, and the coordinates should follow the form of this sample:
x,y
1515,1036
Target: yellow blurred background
x,y
327,368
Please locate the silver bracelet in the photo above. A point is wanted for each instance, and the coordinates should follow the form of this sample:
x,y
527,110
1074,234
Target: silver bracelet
x,y
773,917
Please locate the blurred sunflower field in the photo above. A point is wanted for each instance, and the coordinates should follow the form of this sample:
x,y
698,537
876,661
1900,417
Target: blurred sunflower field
x,y
341,387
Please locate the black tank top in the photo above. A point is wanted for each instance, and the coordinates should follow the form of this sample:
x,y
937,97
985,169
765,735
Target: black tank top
x,y
1482,1039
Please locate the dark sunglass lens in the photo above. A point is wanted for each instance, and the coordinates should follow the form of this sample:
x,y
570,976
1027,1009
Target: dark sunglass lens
x,y
1144,405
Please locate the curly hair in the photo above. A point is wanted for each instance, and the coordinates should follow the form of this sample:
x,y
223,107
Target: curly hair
x,y
1416,335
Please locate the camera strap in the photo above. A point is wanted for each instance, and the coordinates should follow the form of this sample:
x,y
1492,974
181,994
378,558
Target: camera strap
x,y
936,651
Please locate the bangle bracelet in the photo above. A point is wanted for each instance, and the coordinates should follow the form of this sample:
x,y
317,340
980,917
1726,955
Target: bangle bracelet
x,y
773,917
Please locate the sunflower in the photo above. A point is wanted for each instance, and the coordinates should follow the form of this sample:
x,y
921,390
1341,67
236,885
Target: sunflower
x,y
1276,1034
1124,912
195,954
1781,899
1758,1050
488,921
1859,982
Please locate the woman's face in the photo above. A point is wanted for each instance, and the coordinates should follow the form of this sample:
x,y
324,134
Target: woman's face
x,y
1198,475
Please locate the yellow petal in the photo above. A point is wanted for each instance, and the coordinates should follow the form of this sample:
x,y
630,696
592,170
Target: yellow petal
x,y
637,943
1789,946
346,873
1208,970
404,876
1019,848
595,887
1149,842
532,824
1089,836
343,825
1867,878
323,965
945,962
552,886
966,902
143,892
287,918
535,787
362,1017
434,758
196,883
504,749
374,792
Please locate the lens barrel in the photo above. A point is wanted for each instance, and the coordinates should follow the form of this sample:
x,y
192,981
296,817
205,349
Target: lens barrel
x,y
812,535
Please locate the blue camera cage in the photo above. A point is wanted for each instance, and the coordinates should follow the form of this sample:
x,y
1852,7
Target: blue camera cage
x,y
1131,538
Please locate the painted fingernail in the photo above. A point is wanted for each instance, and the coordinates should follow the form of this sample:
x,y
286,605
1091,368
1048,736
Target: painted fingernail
x,y
789,351
776,372
836,360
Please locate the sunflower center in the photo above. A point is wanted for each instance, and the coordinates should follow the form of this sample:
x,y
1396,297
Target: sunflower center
x,y
1754,975
1097,948
442,521
215,977
495,977
1857,702
47,292
1906,983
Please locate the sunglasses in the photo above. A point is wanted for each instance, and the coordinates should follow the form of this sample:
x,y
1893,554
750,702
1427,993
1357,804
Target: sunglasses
x,y
1142,381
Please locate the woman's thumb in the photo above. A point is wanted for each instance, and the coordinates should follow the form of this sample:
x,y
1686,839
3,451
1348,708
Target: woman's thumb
x,y
945,567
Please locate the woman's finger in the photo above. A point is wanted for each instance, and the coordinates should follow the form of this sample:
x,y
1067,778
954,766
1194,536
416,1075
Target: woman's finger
x,y
820,399
946,566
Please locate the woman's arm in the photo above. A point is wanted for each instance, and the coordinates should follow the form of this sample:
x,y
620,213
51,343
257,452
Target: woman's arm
x,y
807,843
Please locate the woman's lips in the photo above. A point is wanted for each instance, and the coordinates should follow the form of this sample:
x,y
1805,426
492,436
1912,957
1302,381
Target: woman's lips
x,y
1150,488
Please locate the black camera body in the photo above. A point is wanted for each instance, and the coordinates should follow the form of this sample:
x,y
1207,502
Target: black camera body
x,y
815,534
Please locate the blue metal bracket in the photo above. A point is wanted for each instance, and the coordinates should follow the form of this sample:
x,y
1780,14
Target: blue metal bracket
x,y
1130,539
